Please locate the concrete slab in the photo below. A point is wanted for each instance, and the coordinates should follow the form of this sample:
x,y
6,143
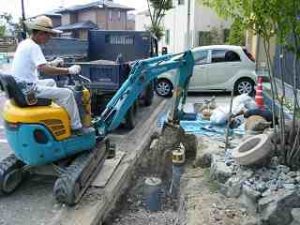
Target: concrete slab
x,y
107,170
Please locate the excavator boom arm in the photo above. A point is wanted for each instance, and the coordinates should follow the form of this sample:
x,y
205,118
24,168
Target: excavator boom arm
x,y
142,73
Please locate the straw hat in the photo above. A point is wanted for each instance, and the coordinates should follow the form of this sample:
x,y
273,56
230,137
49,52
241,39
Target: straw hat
x,y
42,23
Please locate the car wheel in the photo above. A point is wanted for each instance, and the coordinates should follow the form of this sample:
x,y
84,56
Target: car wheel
x,y
163,87
244,86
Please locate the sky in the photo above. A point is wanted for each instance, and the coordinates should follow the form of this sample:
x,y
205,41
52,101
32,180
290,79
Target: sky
x,y
35,7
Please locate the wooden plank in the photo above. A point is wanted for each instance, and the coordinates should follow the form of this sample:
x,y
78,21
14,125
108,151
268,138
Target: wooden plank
x,y
108,169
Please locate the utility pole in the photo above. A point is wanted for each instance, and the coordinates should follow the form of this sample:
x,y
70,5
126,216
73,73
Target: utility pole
x,y
23,20
188,25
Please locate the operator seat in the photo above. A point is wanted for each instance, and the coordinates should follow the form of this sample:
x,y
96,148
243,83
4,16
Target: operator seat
x,y
14,93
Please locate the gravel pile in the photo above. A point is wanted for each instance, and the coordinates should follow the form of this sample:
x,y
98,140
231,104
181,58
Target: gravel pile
x,y
272,192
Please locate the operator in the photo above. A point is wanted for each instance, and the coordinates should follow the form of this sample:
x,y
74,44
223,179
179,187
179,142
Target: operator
x,y
29,61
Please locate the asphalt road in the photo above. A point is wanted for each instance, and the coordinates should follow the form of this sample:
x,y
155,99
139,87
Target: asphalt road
x,y
4,148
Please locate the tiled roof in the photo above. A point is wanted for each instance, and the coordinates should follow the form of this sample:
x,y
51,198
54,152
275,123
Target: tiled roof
x,y
51,13
81,25
96,4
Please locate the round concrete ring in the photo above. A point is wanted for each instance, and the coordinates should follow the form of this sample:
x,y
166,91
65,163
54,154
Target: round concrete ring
x,y
252,150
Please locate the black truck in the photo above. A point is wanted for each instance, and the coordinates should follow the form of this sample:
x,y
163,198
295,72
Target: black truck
x,y
106,59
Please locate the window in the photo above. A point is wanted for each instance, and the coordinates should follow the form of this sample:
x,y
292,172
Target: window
x,y
119,39
167,37
200,57
119,15
231,56
218,56
224,56
180,2
204,38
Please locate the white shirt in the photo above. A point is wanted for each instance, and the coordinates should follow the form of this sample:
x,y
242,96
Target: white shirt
x,y
27,58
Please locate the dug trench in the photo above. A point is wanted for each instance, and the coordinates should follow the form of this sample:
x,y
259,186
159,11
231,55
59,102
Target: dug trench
x,y
196,199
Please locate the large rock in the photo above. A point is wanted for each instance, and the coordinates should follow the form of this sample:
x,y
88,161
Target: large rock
x,y
219,170
296,216
276,209
249,199
232,188
250,221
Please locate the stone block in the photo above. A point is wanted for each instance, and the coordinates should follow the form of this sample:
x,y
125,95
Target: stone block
x,y
232,188
249,198
276,209
219,170
296,214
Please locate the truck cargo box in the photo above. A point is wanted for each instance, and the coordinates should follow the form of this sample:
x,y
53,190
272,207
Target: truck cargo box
x,y
132,45
105,75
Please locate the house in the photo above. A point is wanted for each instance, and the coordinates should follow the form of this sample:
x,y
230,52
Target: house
x,y
53,15
189,24
142,21
105,14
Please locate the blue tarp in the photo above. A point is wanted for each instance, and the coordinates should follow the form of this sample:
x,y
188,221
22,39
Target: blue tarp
x,y
202,127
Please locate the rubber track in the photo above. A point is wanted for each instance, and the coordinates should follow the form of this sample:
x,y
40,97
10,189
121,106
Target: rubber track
x,y
6,165
77,177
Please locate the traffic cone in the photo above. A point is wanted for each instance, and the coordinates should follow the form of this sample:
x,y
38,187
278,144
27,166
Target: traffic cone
x,y
259,99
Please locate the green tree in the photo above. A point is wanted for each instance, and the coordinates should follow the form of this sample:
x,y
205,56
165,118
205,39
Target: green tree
x,y
267,19
157,10
237,33
5,20
2,30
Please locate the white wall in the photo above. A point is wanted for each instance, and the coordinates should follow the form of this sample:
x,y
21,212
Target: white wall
x,y
142,20
201,19
207,19
176,21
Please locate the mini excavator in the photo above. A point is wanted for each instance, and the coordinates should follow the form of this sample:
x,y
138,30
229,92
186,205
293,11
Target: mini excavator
x,y
39,133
